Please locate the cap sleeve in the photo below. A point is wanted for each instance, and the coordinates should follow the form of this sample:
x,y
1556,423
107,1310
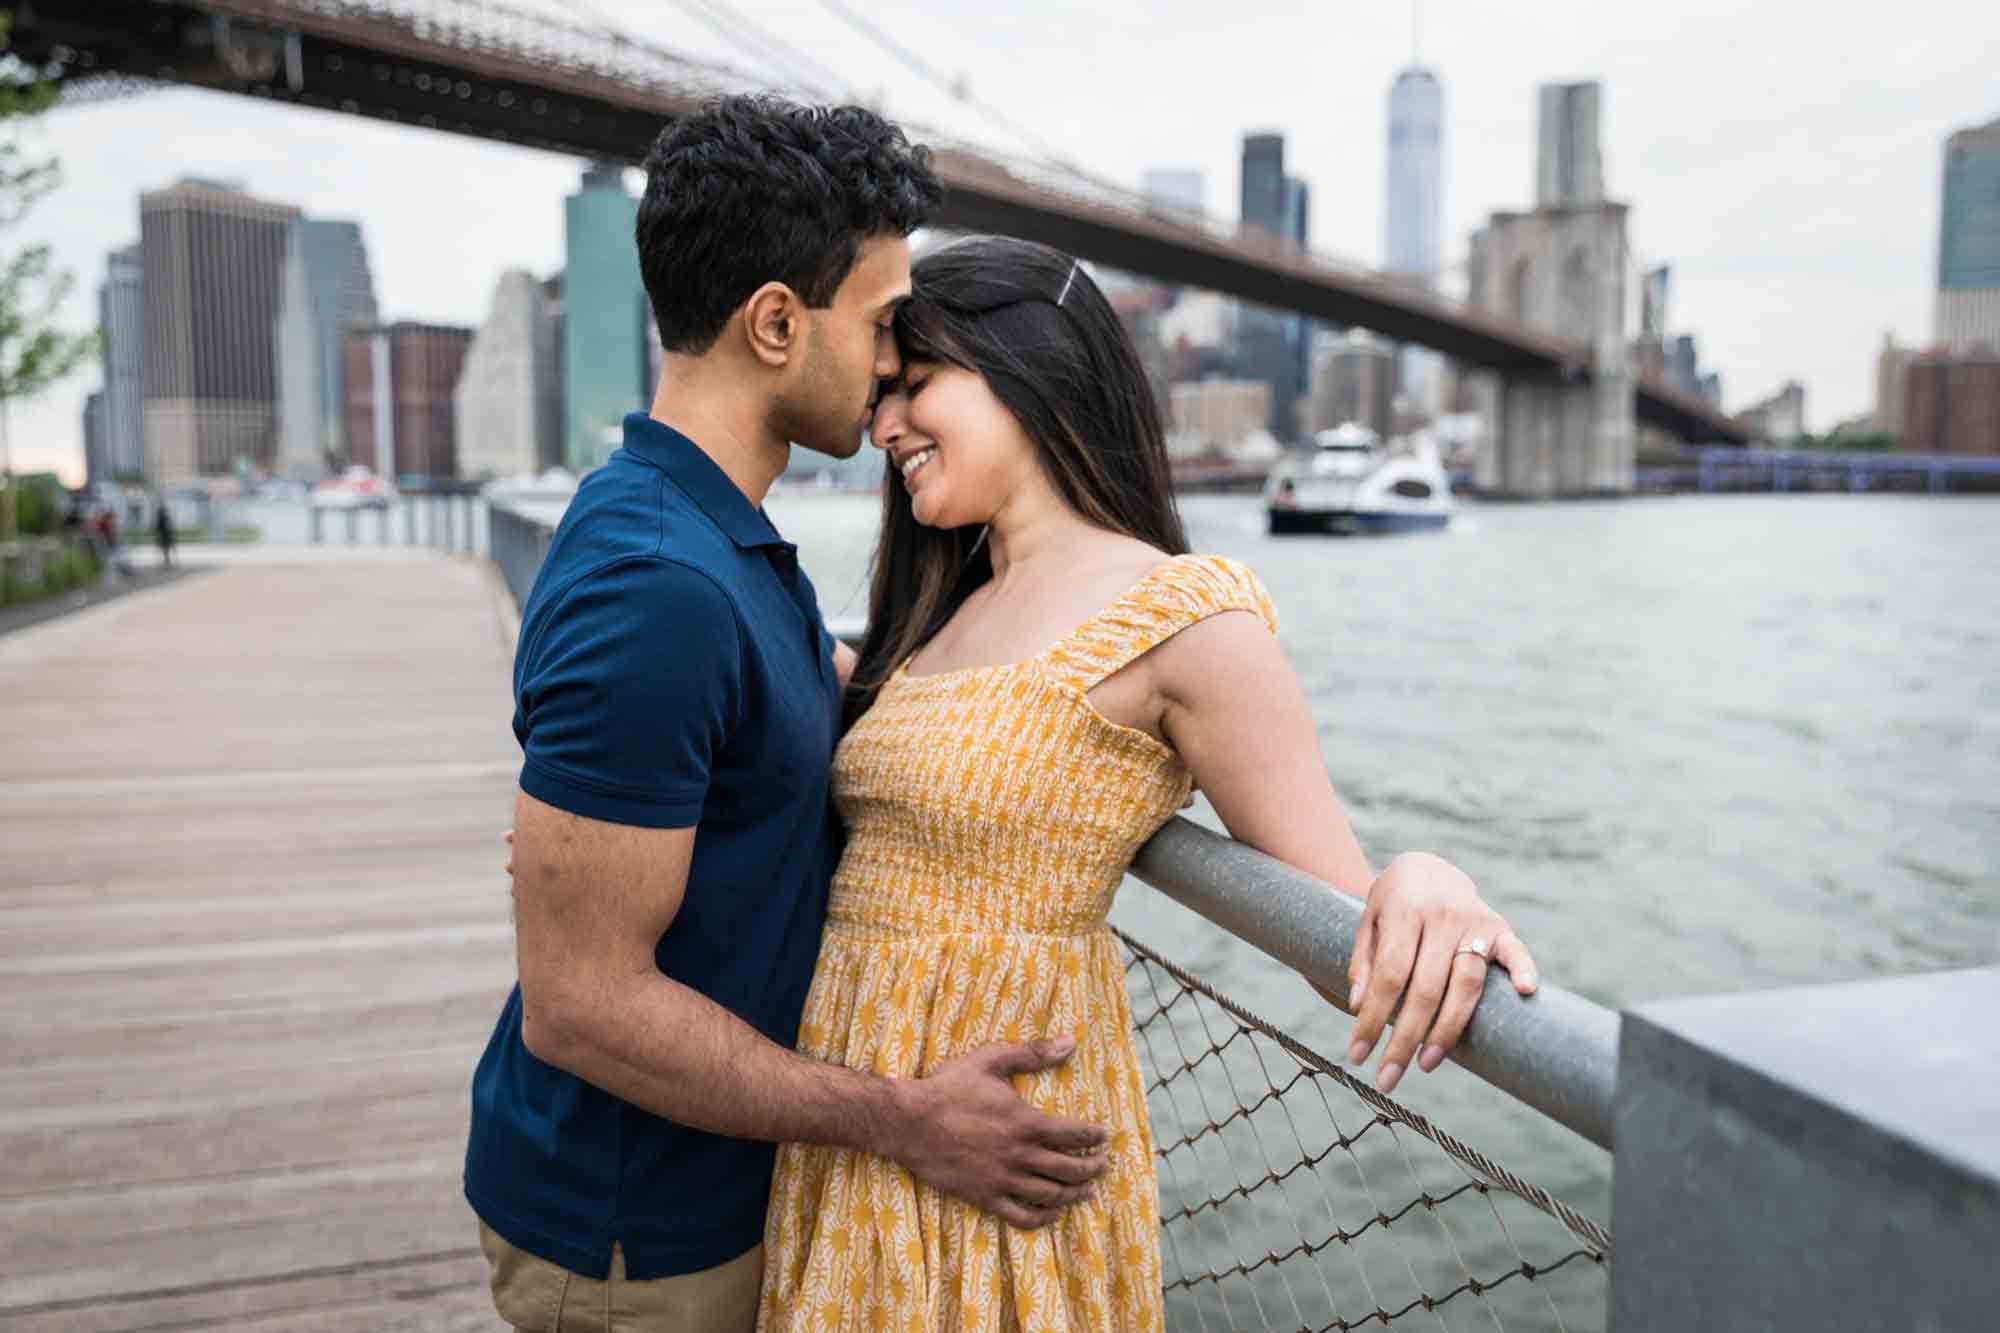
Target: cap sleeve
x,y
1180,592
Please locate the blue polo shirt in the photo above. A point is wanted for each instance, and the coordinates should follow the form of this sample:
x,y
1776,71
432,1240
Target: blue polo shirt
x,y
673,670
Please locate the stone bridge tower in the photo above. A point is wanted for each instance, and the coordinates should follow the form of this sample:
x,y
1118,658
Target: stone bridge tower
x,y
1560,269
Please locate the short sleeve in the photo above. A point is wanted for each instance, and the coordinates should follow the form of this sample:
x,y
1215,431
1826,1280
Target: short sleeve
x,y
1180,592
1199,586
626,693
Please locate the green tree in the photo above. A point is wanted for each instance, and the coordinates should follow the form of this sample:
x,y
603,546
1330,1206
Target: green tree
x,y
34,352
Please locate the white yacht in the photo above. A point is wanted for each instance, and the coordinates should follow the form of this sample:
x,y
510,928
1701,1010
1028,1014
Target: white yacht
x,y
1353,483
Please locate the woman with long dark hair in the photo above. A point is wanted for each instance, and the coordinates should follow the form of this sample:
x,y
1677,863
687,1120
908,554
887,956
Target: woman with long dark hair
x,y
1047,674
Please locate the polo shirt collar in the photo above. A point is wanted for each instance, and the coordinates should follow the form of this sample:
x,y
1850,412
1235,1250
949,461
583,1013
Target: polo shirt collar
x,y
691,469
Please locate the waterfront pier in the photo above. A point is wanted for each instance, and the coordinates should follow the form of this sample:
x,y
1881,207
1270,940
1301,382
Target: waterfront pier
x,y
255,933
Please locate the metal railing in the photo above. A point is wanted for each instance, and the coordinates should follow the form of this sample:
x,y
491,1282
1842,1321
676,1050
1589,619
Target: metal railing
x,y
1274,1157
442,520
517,543
1556,1052
1293,1195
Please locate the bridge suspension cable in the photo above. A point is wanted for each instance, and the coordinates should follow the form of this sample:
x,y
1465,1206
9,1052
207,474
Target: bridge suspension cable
x,y
954,87
759,43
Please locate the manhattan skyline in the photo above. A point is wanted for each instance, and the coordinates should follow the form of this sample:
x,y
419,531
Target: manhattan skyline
x,y
1796,195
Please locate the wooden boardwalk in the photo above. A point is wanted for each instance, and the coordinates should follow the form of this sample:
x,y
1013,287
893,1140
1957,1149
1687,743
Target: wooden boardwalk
x,y
253,934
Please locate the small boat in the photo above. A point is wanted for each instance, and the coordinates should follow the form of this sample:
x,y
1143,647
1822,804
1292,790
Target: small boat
x,y
1352,483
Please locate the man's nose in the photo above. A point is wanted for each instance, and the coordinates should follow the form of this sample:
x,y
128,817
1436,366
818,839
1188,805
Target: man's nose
x,y
888,361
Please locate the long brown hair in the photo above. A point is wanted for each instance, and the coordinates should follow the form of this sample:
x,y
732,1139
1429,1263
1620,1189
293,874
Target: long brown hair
x,y
1030,322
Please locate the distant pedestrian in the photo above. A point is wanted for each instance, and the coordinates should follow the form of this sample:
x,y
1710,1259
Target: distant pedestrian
x,y
103,537
106,524
163,533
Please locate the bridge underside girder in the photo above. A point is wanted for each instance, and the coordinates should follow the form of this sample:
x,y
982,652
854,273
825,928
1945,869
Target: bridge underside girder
x,y
389,70
182,43
1692,418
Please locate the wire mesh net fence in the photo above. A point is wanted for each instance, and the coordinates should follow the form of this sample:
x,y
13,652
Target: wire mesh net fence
x,y
1294,1196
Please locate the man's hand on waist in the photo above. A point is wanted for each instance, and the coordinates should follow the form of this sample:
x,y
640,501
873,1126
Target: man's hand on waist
x,y
965,1131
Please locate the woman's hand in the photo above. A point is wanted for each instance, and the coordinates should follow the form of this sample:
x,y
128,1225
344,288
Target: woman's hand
x,y
1428,936
508,838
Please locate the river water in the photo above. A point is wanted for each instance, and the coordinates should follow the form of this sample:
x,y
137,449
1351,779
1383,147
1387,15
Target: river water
x,y
1688,745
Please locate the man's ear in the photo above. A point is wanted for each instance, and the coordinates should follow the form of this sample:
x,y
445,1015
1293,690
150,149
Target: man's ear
x,y
774,324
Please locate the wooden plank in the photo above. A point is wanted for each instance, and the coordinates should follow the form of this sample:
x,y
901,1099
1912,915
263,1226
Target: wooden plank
x,y
254,931
425,1295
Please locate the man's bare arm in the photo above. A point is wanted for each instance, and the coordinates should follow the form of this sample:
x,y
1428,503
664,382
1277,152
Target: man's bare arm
x,y
592,899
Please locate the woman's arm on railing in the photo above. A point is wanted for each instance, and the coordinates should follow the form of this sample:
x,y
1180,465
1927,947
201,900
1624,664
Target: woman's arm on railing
x,y
1556,1052
1235,712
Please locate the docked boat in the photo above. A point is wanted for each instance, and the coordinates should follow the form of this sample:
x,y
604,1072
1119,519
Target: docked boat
x,y
1353,483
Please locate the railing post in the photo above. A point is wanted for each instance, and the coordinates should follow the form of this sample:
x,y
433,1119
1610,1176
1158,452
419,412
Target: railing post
x,y
1819,1158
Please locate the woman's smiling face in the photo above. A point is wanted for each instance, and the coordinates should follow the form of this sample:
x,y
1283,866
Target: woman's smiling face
x,y
958,449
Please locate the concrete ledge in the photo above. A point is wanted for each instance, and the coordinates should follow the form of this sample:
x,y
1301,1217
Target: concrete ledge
x,y
1818,1158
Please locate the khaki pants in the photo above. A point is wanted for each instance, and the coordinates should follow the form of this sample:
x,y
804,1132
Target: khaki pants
x,y
536,1296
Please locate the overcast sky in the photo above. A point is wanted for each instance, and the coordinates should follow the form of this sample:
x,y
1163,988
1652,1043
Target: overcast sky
x,y
1785,158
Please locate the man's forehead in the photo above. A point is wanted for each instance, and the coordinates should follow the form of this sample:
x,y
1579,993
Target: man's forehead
x,y
881,272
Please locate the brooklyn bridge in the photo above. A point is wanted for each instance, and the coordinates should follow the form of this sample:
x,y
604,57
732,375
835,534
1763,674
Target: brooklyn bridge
x,y
1542,334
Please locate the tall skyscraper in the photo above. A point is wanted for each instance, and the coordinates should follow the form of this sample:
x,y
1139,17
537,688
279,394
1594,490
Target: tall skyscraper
x,y
327,291
1263,204
1655,290
1569,168
1299,331
212,257
1275,346
1684,364
94,468
1968,300
508,401
399,380
1298,212
1414,217
605,317
121,318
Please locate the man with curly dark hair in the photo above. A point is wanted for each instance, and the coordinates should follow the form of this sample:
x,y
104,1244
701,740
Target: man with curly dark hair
x,y
677,700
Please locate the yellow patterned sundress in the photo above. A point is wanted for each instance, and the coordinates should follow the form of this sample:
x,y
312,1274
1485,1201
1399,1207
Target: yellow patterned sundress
x,y
991,814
